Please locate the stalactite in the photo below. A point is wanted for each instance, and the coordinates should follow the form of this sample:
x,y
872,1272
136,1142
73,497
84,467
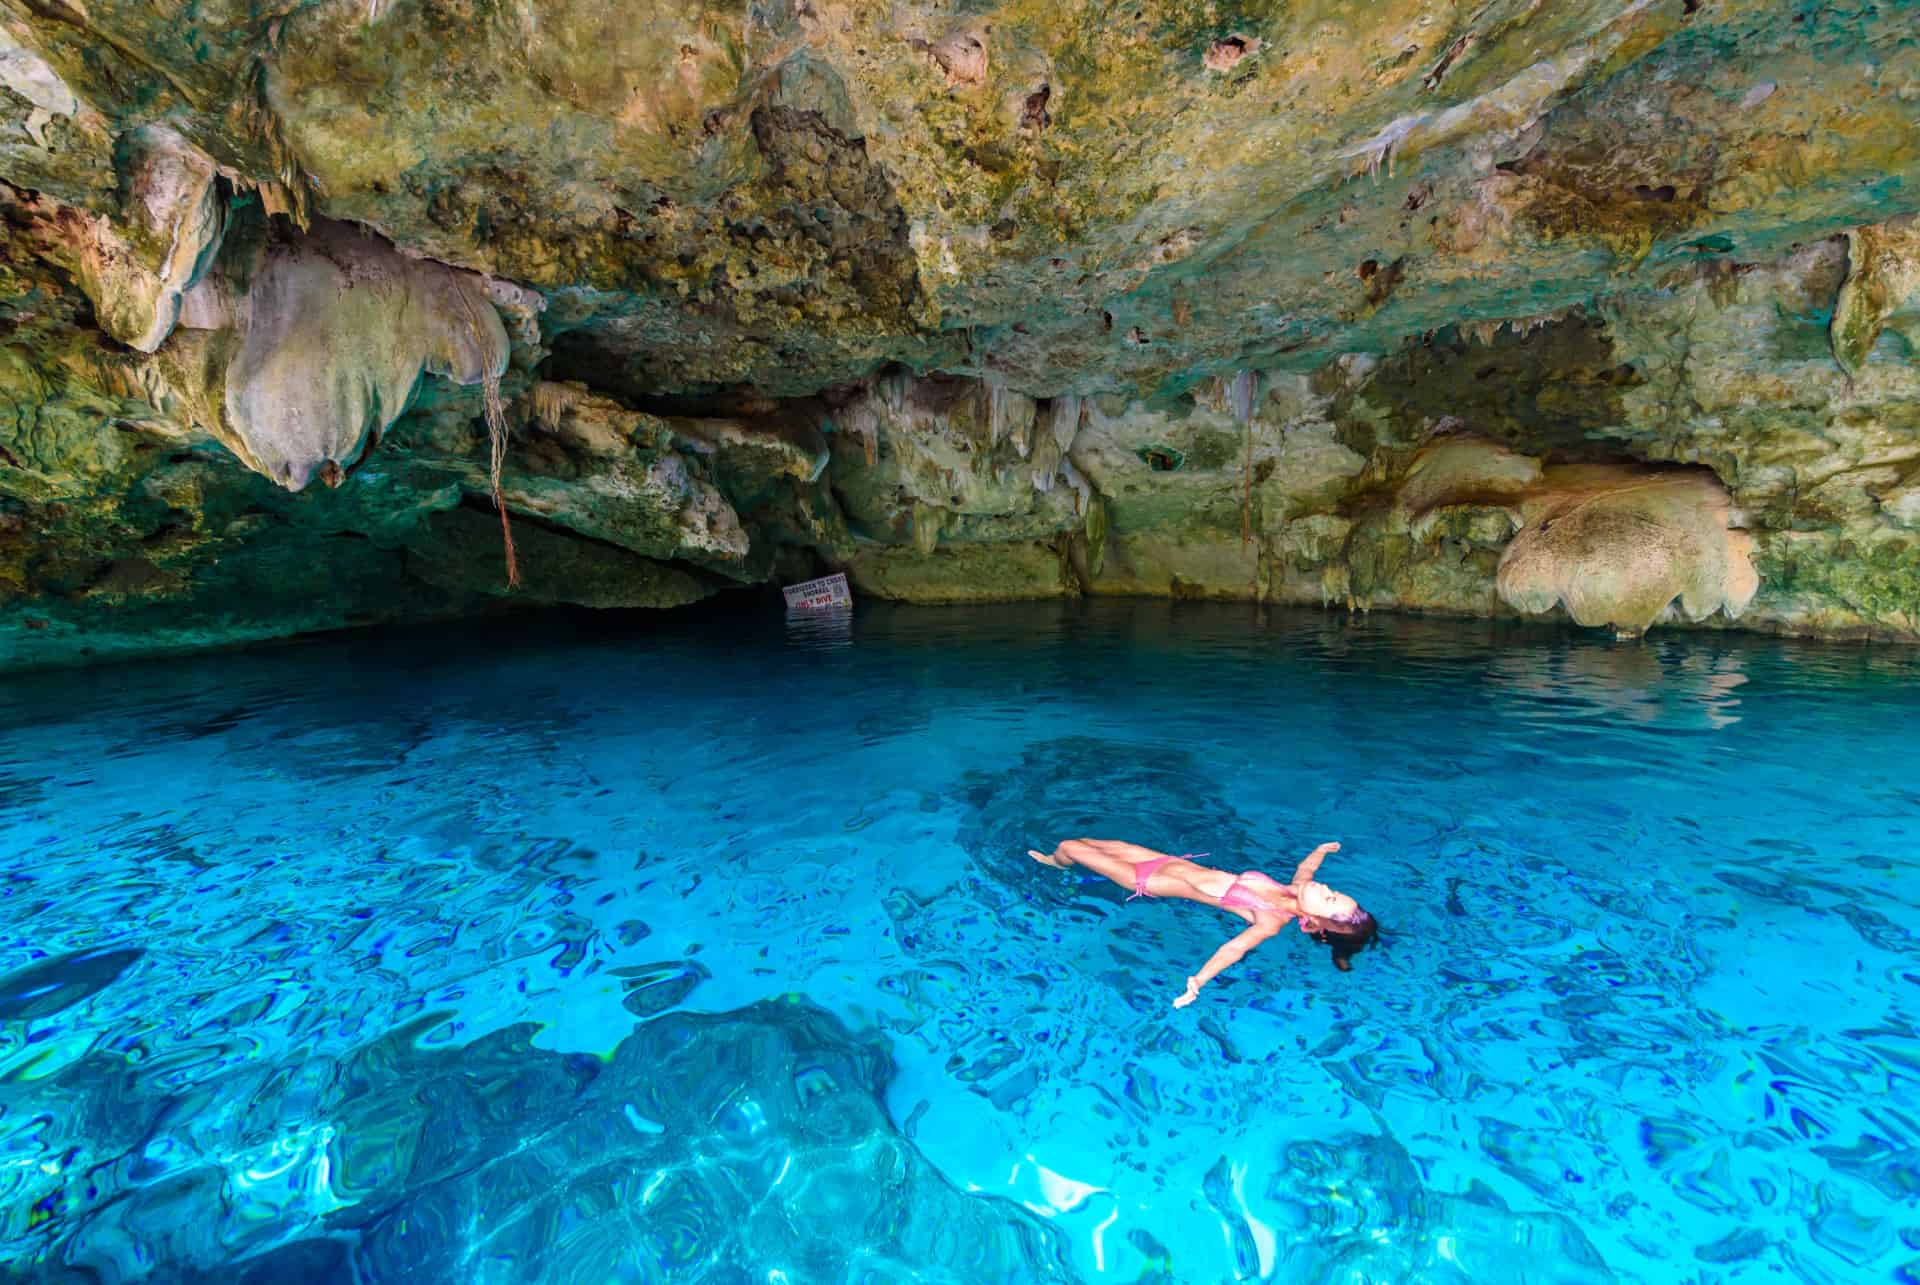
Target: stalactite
x,y
893,391
1066,420
1050,446
1246,493
997,417
1240,392
1082,489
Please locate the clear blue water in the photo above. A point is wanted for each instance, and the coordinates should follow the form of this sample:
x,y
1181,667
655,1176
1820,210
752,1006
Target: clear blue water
x,y
709,952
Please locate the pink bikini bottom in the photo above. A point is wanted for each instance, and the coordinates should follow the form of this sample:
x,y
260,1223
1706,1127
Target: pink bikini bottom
x,y
1234,898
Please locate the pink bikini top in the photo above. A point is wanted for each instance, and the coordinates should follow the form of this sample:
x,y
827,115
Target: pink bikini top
x,y
1244,898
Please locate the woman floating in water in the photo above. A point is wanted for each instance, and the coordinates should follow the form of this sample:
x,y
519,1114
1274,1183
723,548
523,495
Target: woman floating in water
x,y
1330,918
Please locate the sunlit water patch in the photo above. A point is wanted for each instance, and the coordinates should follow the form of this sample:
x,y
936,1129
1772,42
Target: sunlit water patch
x,y
710,952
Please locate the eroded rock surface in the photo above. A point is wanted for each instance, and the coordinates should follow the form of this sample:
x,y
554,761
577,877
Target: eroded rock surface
x,y
1028,301
137,269
1621,547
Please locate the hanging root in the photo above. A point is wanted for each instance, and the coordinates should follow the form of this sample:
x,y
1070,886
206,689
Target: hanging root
x,y
497,439
496,415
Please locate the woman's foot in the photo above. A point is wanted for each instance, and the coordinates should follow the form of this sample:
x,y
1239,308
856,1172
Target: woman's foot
x,y
1049,859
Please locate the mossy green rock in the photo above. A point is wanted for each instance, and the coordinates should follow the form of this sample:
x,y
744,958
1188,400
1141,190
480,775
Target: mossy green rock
x,y
1014,300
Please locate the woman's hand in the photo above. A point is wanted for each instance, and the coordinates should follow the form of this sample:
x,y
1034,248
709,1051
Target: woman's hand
x,y
1303,874
1192,993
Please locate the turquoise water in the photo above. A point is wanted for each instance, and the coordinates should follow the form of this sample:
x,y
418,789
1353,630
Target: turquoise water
x,y
708,951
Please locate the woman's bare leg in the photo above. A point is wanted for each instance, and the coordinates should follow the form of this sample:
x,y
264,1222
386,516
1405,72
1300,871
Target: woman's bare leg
x,y
1097,856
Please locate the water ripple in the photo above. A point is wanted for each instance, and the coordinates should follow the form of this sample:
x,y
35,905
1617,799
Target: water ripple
x,y
385,959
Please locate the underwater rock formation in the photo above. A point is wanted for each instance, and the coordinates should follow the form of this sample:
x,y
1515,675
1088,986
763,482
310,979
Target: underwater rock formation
x,y
498,1160
1473,1236
984,306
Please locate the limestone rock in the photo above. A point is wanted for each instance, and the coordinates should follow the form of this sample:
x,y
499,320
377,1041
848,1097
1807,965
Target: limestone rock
x,y
594,425
52,141
26,74
1294,306
459,550
1883,282
1452,473
137,269
1619,547
617,477
751,455
336,330
923,460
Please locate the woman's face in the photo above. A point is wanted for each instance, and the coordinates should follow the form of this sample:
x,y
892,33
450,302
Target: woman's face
x,y
1324,906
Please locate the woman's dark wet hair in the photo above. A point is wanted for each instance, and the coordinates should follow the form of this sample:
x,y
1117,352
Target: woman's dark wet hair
x,y
1349,939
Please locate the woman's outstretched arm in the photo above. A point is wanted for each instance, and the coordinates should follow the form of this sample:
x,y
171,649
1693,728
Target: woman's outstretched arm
x,y
1224,958
1304,872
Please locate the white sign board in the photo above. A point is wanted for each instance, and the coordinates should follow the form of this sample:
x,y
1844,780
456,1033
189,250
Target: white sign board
x,y
819,595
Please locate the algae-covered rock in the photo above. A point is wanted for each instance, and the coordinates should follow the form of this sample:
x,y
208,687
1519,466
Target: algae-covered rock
x,y
1883,281
56,436
1309,304
458,551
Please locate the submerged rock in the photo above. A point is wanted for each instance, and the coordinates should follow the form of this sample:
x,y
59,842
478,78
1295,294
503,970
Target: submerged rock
x,y
706,1147
1472,1236
54,985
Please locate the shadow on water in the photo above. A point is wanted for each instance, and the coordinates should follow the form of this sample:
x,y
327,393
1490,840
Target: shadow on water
x,y
1077,786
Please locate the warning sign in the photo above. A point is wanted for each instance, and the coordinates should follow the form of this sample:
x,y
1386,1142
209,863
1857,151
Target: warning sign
x,y
819,595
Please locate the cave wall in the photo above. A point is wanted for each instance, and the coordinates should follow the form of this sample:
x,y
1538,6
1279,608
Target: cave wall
x,y
1684,454
1607,311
